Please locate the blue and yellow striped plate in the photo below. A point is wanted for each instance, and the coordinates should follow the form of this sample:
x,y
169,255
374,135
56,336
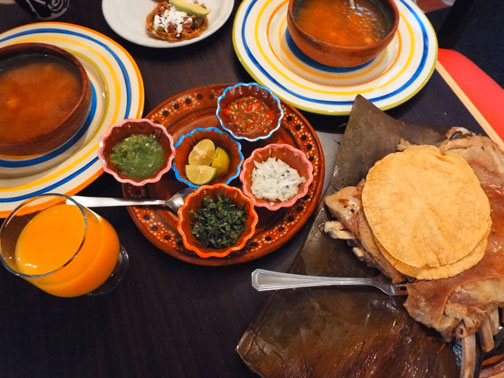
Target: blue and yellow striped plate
x,y
264,47
118,93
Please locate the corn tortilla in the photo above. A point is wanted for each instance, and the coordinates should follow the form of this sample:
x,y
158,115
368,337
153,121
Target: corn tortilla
x,y
426,209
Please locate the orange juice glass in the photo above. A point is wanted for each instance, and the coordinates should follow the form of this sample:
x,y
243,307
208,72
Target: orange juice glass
x,y
62,247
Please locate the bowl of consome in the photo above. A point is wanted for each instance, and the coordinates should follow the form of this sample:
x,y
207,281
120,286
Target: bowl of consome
x,y
335,34
45,97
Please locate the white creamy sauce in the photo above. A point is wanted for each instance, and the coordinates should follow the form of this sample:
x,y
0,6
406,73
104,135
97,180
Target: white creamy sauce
x,y
275,180
174,17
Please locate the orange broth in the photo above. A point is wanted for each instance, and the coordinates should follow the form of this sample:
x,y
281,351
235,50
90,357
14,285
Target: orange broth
x,y
50,240
335,22
37,92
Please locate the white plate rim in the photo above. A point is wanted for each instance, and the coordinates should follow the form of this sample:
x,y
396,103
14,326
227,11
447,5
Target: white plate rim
x,y
83,167
117,27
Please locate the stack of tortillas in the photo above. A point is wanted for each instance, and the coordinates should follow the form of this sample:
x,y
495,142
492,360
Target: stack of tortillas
x,y
428,213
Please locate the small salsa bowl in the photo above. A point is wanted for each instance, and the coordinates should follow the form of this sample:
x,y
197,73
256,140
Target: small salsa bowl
x,y
20,56
193,202
260,93
340,55
126,128
288,154
221,139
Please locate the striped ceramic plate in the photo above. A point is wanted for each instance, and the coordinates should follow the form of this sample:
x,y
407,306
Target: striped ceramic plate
x,y
117,93
263,45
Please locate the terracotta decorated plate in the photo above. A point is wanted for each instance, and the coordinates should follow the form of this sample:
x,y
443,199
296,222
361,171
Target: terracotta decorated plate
x,y
196,108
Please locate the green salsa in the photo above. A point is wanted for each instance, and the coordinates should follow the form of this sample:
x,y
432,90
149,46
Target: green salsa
x,y
138,156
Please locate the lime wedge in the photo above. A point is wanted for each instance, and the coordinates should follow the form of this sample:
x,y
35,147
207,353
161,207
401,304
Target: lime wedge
x,y
202,153
220,161
200,174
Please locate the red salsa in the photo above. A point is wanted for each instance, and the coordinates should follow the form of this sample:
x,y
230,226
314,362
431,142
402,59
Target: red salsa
x,y
248,114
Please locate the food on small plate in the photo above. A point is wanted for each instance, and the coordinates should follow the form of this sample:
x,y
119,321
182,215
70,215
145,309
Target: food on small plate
x,y
275,180
177,20
432,216
206,162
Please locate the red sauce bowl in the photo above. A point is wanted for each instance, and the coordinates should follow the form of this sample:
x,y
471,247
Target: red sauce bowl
x,y
337,55
259,92
126,128
288,154
193,202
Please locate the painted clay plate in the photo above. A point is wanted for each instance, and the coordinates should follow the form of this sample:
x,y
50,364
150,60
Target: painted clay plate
x,y
196,108
266,50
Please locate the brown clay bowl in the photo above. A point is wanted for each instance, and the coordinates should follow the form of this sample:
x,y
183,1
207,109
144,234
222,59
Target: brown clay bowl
x,y
337,55
71,123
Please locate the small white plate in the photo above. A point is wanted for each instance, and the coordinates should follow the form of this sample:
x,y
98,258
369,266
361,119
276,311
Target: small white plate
x,y
127,18
264,47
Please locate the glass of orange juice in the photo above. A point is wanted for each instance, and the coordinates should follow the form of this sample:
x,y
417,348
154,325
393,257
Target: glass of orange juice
x,y
62,247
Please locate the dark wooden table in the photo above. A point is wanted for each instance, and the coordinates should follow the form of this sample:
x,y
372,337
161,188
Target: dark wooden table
x,y
168,318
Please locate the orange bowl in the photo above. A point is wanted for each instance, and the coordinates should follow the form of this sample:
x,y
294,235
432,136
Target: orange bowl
x,y
126,128
193,202
52,136
339,55
288,154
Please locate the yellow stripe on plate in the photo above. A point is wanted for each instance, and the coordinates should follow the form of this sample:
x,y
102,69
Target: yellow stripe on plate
x,y
90,149
308,88
306,68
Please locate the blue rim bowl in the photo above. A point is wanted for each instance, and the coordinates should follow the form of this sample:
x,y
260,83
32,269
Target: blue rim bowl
x,y
221,139
262,93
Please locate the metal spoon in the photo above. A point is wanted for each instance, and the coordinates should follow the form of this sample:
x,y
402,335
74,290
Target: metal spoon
x,y
173,203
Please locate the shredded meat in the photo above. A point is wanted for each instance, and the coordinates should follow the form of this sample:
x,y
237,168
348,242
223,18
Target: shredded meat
x,y
456,306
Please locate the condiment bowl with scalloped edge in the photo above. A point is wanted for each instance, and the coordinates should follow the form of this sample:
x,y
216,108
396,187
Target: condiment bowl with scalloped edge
x,y
293,157
221,139
264,95
194,201
129,127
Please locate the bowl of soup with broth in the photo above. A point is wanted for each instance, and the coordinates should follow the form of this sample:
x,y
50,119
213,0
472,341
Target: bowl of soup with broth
x,y
45,98
335,34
